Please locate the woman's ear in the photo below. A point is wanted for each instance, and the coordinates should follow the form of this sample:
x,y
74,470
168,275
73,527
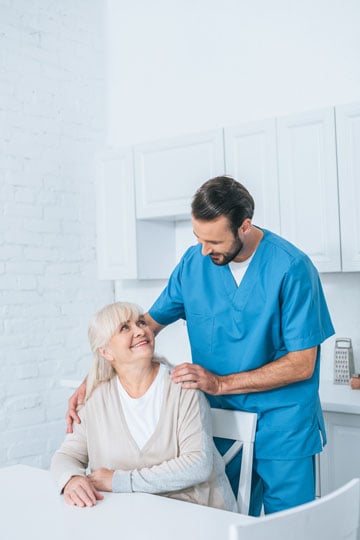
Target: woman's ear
x,y
105,352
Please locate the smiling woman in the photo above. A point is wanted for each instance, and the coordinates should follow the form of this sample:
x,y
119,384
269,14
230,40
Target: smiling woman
x,y
139,431
119,337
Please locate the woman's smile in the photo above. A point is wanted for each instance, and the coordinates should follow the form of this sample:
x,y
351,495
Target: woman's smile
x,y
141,343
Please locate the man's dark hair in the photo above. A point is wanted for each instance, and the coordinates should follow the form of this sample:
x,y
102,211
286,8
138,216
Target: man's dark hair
x,y
223,196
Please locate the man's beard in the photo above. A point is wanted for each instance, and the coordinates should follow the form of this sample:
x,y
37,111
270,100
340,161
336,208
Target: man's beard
x,y
224,258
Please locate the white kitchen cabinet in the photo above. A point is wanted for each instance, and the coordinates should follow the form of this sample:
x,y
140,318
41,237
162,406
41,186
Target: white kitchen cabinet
x,y
168,172
308,186
127,248
289,166
250,157
348,145
340,459
299,169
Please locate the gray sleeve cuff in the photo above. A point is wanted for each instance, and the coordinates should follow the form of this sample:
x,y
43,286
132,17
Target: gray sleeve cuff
x,y
121,482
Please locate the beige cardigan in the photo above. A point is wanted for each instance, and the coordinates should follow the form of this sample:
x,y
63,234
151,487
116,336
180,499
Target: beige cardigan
x,y
179,460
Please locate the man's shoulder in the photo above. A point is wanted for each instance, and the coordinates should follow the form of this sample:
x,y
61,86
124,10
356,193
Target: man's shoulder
x,y
280,257
282,248
192,257
192,252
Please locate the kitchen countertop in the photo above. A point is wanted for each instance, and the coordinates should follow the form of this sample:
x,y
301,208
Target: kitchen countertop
x,y
339,398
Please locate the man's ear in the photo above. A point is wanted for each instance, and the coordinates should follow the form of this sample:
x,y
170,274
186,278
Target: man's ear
x,y
245,227
106,353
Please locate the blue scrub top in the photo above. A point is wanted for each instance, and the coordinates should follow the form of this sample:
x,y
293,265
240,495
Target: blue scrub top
x,y
279,307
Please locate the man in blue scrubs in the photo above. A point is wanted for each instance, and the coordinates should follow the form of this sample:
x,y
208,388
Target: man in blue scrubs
x,y
256,316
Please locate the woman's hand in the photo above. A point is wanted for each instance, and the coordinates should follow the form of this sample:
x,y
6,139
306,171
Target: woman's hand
x,y
75,400
102,479
79,491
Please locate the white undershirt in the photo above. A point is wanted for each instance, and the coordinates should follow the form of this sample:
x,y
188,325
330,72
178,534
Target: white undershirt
x,y
238,269
142,414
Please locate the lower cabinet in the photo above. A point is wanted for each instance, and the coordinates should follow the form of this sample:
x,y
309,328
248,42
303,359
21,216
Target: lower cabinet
x,y
340,460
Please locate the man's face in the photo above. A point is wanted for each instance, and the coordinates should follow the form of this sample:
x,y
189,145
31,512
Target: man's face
x,y
217,240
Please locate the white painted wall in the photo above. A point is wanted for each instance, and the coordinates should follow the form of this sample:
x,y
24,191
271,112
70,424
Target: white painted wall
x,y
51,122
178,66
181,66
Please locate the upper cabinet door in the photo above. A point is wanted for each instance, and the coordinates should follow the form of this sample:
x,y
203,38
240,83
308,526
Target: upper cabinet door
x,y
348,140
128,248
308,186
115,215
250,158
167,173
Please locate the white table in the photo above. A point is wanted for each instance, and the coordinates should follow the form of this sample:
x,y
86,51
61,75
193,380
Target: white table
x,y
32,509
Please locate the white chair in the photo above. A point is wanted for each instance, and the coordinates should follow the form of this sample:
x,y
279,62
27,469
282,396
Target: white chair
x,y
239,426
332,517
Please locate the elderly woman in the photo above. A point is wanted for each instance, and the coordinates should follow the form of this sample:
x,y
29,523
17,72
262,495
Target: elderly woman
x,y
139,431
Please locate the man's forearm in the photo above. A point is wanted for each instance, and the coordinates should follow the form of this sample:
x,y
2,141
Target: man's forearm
x,y
294,367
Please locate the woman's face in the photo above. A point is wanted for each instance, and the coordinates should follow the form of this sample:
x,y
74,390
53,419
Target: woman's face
x,y
132,341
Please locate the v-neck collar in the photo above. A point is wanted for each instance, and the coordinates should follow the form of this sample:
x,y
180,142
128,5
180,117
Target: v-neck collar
x,y
239,295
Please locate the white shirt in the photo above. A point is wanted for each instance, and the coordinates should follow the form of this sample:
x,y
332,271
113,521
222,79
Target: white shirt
x,y
238,269
142,414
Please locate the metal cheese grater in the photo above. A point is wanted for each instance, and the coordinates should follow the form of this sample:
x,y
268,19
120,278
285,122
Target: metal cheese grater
x,y
343,361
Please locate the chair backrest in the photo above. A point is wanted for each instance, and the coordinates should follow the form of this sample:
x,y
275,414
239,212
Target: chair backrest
x,y
239,426
332,517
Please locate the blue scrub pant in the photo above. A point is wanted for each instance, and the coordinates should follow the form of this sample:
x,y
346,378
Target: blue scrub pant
x,y
281,484
276,484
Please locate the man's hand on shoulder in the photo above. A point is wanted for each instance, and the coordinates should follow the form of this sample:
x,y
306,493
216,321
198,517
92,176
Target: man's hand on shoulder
x,y
75,400
193,376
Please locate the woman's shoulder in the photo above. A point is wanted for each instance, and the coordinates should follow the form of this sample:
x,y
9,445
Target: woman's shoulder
x,y
174,389
163,361
101,392
98,402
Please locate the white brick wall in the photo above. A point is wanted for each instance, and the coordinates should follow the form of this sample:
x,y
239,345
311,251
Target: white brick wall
x,y
52,102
